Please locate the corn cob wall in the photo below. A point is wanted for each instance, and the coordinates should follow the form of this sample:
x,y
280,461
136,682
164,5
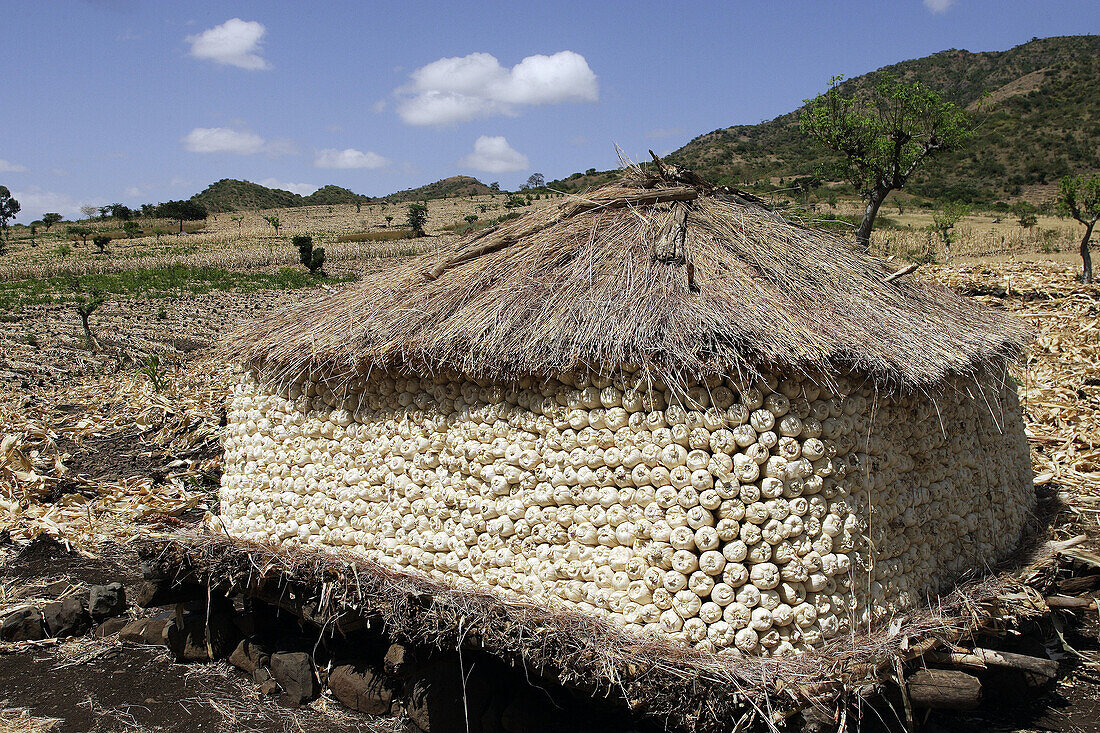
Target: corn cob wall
x,y
761,520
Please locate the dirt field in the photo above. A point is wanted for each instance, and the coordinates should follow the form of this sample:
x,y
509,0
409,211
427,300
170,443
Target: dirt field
x,y
95,455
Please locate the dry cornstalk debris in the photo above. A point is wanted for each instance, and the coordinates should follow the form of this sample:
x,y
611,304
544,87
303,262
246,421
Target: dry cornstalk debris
x,y
1059,385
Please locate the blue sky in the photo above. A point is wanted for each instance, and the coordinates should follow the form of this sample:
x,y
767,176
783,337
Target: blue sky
x,y
123,100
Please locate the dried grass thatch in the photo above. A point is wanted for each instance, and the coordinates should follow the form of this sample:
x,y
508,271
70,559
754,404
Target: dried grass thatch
x,y
658,270
685,689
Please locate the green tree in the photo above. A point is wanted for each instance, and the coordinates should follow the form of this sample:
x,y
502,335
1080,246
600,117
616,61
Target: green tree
x,y
9,207
308,255
86,304
101,241
1026,213
274,222
50,218
1079,197
883,135
944,221
417,217
79,230
181,211
131,228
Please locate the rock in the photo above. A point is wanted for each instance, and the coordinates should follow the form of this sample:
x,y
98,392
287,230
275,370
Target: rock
x,y
110,627
362,687
66,618
23,625
295,674
269,687
200,638
106,601
437,701
261,675
167,593
400,660
144,631
57,588
249,656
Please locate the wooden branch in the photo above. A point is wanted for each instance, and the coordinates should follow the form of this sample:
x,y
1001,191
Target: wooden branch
x,y
1070,602
944,689
901,273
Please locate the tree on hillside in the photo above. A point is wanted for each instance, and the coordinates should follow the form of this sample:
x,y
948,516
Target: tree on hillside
x,y
89,210
1079,196
944,221
416,218
131,228
1026,213
274,222
50,218
121,211
883,135
9,207
79,230
181,211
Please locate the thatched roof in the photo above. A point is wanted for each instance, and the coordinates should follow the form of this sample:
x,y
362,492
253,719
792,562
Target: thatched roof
x,y
657,270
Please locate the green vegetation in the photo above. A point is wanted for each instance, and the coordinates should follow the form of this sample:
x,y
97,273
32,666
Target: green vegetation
x,y
944,221
1027,213
333,195
1079,198
9,207
882,136
87,303
233,195
152,371
313,259
1036,118
50,218
101,241
274,222
446,188
416,217
182,211
388,235
153,283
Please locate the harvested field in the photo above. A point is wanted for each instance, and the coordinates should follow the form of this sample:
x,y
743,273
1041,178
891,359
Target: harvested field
x,y
96,458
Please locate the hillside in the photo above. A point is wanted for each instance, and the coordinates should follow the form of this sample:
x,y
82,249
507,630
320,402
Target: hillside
x,y
448,187
1036,107
232,195
1040,121
332,195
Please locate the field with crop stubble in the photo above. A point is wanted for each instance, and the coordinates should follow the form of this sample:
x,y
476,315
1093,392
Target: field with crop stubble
x,y
100,447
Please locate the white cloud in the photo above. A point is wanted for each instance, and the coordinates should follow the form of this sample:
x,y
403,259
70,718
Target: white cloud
x,y
464,88
133,192
237,142
938,6
494,155
34,202
222,140
379,106
235,42
348,158
302,189
9,167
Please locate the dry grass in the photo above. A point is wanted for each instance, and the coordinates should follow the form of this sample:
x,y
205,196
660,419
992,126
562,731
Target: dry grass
x,y
679,282
20,720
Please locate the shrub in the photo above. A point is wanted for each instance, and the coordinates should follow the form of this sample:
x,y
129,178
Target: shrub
x,y
312,258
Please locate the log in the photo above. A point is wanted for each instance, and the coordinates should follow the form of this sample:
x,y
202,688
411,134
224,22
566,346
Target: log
x,y
1036,665
1070,602
944,689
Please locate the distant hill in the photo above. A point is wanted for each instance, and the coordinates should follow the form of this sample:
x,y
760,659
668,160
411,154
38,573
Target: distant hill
x,y
232,195
332,195
1040,121
448,187
1036,108
229,194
